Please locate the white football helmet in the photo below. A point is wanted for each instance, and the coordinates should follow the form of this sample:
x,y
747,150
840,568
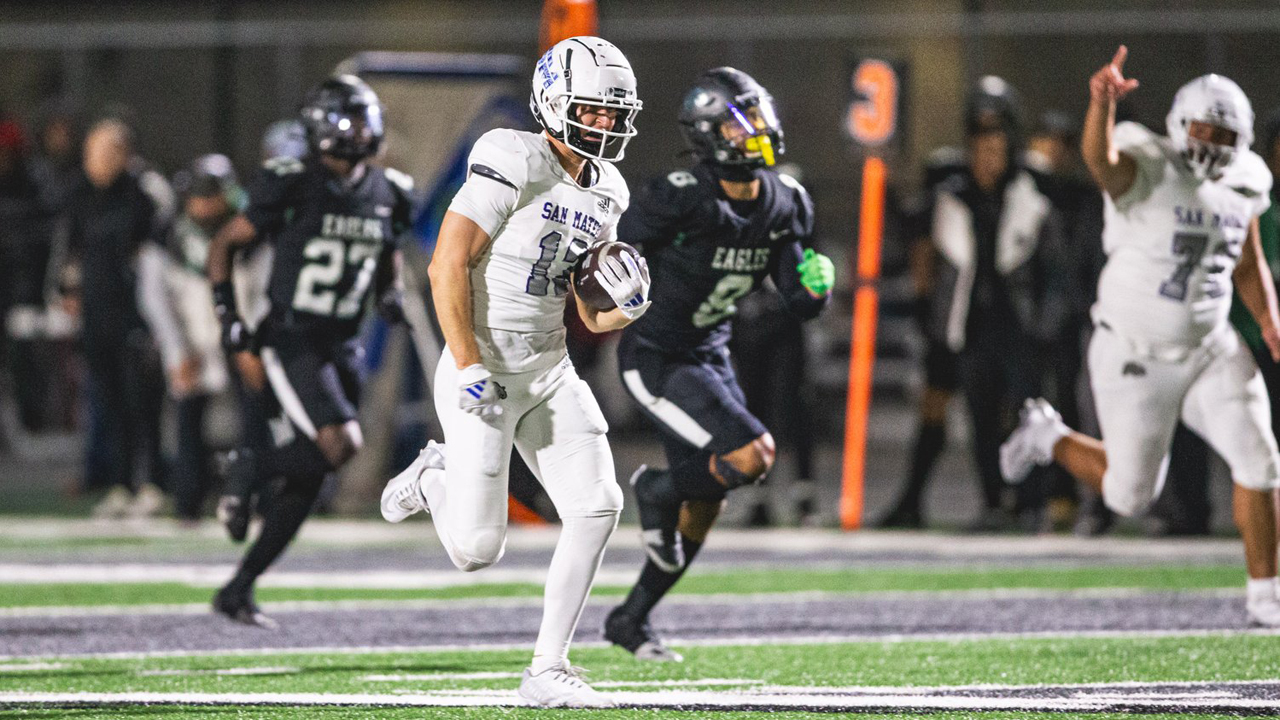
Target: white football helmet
x,y
1214,100
588,71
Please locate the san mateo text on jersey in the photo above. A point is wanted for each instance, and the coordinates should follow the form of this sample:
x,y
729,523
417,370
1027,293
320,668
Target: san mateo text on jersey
x,y
581,221
1195,217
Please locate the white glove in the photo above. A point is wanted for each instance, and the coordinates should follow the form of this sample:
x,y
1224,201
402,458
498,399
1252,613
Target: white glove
x,y
478,394
627,282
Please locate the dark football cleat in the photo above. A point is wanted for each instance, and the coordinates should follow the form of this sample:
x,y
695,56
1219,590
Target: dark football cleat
x,y
659,516
238,606
637,638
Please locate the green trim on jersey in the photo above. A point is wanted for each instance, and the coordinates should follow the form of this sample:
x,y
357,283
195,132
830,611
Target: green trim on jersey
x,y
1241,318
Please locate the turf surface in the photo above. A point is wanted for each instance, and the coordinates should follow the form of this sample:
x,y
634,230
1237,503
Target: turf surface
x,y
1219,657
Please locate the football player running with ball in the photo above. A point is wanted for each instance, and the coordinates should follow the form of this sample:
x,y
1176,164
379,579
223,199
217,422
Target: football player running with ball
x,y
334,220
712,234
1181,229
531,206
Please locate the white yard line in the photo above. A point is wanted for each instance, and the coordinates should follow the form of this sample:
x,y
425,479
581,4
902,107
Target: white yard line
x,y
30,667
1189,685
441,677
745,641
221,671
677,698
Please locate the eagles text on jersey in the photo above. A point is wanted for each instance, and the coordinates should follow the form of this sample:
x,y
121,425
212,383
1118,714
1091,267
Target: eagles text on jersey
x,y
704,254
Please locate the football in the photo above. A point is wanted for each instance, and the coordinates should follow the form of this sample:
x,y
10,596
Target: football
x,y
585,283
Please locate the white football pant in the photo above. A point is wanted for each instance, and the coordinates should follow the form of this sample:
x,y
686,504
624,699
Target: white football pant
x,y
1141,392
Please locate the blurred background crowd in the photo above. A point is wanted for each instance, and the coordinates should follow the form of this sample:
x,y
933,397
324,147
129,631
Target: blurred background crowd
x,y
126,129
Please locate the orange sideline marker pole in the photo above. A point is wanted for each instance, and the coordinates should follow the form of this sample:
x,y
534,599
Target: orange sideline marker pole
x,y
863,350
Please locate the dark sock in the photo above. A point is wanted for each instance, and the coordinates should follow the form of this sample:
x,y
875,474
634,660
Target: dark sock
x,y
280,524
693,480
654,582
931,438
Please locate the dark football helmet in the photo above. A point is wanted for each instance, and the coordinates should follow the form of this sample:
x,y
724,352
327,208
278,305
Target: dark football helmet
x,y
729,119
206,175
993,106
343,118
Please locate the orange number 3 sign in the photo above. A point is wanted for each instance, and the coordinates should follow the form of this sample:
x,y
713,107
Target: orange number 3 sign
x,y
873,114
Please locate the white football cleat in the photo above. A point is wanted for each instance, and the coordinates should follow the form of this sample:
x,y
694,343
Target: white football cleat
x,y
561,686
405,494
1031,443
1262,606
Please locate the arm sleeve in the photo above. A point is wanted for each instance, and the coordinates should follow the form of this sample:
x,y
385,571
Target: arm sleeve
x,y
658,211
271,194
1144,148
785,275
497,169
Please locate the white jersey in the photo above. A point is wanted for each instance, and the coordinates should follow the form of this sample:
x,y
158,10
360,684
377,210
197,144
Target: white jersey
x,y
1172,242
540,221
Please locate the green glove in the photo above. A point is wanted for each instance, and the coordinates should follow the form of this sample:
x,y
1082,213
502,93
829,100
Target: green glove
x,y
817,272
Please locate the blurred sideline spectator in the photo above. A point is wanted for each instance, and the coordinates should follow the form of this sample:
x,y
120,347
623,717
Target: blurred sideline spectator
x,y
994,303
1052,149
109,216
177,302
25,237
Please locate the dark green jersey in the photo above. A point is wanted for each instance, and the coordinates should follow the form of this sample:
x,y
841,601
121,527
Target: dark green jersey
x,y
1241,318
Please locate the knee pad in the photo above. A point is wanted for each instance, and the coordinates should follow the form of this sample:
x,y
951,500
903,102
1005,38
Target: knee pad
x,y
479,549
732,476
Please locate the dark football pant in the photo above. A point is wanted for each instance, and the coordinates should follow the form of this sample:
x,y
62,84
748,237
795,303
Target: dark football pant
x,y
693,397
315,380
317,383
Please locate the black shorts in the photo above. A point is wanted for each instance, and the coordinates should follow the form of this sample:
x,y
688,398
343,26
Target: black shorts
x,y
692,396
316,380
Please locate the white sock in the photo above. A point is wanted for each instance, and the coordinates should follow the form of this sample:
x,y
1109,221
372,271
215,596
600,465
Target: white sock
x,y
573,568
1262,588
